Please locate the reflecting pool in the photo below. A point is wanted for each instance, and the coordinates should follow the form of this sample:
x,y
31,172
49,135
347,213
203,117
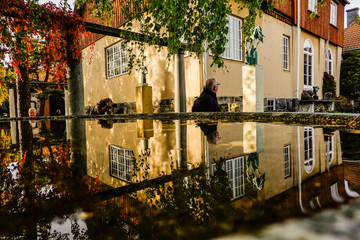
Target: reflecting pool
x,y
174,179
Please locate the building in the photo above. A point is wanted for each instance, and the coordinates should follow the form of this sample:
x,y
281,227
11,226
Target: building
x,y
351,33
297,50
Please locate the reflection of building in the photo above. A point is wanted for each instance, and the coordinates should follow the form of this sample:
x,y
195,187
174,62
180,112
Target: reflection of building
x,y
289,166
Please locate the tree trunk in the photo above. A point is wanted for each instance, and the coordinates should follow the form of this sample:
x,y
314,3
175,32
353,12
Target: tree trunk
x,y
23,92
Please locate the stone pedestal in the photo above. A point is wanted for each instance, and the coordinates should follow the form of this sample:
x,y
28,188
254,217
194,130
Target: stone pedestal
x,y
144,102
253,88
253,137
145,128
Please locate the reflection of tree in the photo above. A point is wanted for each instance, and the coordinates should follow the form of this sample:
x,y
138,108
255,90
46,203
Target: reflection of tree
x,y
253,173
194,206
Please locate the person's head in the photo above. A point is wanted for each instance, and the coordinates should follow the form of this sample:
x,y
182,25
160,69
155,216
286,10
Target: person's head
x,y
32,112
212,84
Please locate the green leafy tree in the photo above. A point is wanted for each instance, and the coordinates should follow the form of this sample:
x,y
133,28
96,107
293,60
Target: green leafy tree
x,y
350,75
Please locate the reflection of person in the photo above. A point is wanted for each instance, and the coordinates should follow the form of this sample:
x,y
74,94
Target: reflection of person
x,y
210,131
102,107
105,123
207,102
32,112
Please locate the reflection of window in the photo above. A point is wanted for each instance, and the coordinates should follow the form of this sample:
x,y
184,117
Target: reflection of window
x,y
309,149
308,63
315,203
312,5
333,13
335,193
235,172
329,146
287,169
285,53
329,62
270,104
116,57
120,160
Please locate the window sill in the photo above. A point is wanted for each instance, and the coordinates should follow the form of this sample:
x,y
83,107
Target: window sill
x,y
334,26
316,14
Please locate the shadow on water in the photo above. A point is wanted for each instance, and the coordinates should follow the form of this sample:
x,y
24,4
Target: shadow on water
x,y
152,179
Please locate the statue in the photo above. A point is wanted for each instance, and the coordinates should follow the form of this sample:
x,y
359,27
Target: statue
x,y
316,89
251,45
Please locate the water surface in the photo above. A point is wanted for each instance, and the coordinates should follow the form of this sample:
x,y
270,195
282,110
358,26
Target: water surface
x,y
153,179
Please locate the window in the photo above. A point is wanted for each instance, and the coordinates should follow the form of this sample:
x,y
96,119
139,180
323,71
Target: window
x,y
312,5
235,172
270,104
329,62
287,169
120,160
233,49
335,193
308,64
116,57
285,53
329,146
309,149
333,13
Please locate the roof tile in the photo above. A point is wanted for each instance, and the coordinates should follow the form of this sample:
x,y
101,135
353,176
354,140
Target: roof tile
x,y
352,36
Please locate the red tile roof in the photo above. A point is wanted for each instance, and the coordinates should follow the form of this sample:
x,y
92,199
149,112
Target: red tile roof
x,y
352,36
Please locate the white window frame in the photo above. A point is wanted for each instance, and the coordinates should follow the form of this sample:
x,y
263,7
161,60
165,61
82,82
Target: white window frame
x,y
116,60
286,41
287,161
333,13
308,64
271,104
233,46
120,163
236,175
312,5
329,148
329,62
309,149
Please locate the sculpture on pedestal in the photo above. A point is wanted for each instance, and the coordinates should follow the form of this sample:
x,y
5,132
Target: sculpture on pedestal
x,y
251,45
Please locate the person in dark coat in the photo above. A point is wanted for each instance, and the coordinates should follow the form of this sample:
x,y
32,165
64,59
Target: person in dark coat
x,y
207,102
102,107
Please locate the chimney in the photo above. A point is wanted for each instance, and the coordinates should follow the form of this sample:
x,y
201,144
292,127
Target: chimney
x,y
351,15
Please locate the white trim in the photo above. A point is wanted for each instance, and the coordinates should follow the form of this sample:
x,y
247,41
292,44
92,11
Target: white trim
x,y
335,193
233,46
329,149
286,41
120,163
312,5
270,107
350,192
308,74
309,149
287,161
329,62
116,60
235,172
333,13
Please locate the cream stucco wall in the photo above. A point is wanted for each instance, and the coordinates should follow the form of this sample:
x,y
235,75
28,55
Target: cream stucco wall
x,y
278,83
162,145
122,88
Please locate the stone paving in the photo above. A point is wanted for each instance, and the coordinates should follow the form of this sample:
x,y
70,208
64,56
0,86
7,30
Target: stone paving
x,y
331,224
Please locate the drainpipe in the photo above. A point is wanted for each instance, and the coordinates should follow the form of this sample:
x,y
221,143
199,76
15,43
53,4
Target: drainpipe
x,y
180,94
204,67
298,51
300,175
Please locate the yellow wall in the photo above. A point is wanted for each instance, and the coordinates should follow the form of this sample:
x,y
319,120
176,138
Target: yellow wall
x,y
278,83
125,135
